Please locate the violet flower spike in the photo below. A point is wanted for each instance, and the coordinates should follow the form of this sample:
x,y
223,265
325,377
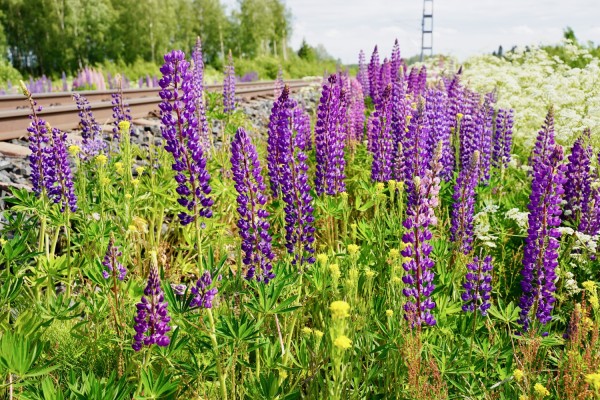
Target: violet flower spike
x,y
590,220
152,319
59,184
478,286
295,190
121,111
111,262
91,132
40,159
545,142
381,138
463,208
363,75
540,257
374,72
203,293
179,129
578,187
198,90
503,125
229,86
420,215
252,223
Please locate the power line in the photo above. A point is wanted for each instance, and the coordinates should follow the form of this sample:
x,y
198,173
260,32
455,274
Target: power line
x,y
427,29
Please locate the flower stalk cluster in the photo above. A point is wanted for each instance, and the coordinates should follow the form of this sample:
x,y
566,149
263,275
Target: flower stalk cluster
x,y
578,187
503,126
198,90
252,224
381,140
203,292
478,285
463,208
91,132
111,263
180,131
229,86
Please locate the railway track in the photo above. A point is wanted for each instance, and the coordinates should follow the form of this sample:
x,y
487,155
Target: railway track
x,y
60,111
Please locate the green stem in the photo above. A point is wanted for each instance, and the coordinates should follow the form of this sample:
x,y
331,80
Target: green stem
x,y
213,339
69,266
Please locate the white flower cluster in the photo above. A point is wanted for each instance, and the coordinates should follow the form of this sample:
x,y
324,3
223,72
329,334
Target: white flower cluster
x,y
520,217
571,284
482,225
529,81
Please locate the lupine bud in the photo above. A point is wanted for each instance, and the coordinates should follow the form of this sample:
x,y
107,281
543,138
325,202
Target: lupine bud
x,y
503,126
363,75
198,91
111,262
229,86
463,208
91,132
203,294
381,140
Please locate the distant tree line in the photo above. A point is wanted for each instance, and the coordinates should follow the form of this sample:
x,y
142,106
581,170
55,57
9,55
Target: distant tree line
x,y
52,36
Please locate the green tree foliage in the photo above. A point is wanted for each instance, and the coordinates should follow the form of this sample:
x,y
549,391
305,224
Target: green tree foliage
x,y
51,36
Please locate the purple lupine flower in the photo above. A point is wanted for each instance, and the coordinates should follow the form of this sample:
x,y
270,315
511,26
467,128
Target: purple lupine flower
x,y
590,220
203,293
273,158
111,262
301,125
40,159
478,285
65,86
544,143
180,130
470,130
363,75
395,62
152,319
436,116
198,90
455,100
382,144
330,139
60,184
373,70
485,119
401,112
253,224
385,75
416,150
229,86
356,112
412,82
91,132
295,190
463,207
121,110
540,257
503,126
578,187
420,215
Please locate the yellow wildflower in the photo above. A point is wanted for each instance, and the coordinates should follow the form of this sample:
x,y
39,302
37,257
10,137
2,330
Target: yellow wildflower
x,y
339,309
101,159
392,185
334,270
518,374
379,186
135,182
306,330
394,253
389,313
132,229
318,334
322,259
406,259
119,168
589,286
541,390
343,342
459,116
594,301
128,196
396,280
104,180
124,126
400,185
369,273
344,195
2,241
283,374
140,170
594,380
74,150
523,397
353,249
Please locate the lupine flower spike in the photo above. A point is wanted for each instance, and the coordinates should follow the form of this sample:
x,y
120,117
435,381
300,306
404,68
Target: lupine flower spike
x,y
111,262
478,285
463,208
203,293
578,187
198,90
152,319
253,224
179,129
229,86
540,257
121,111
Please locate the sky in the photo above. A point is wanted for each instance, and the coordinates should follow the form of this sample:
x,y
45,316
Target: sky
x,y
461,28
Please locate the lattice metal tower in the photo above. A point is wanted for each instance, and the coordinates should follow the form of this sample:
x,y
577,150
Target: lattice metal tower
x,y
427,29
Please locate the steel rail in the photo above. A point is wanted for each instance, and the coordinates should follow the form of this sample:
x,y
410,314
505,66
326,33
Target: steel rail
x,y
60,111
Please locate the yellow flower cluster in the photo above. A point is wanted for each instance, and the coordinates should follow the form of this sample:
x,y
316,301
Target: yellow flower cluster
x,y
594,380
369,273
394,253
334,270
124,126
339,309
119,168
322,259
342,342
74,150
101,159
518,374
389,313
541,390
379,186
353,249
